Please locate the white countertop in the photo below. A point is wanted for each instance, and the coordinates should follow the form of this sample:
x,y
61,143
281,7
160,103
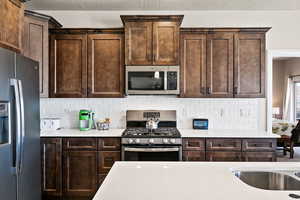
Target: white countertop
x,y
186,180
185,133
78,133
213,133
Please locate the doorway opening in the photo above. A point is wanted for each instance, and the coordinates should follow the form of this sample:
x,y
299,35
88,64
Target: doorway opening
x,y
283,100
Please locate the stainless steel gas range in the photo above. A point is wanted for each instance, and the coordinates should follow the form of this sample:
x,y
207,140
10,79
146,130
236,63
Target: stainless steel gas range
x,y
163,143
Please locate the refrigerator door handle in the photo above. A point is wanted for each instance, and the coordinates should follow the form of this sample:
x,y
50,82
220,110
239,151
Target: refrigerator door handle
x,y
22,125
15,85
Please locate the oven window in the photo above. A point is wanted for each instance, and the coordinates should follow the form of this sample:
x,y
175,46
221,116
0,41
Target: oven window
x,y
146,81
152,156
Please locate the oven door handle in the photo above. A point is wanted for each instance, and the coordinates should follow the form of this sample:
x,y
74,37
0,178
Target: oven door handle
x,y
133,149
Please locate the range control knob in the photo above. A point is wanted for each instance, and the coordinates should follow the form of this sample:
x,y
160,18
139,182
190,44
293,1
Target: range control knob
x,y
130,141
137,141
165,141
173,141
151,141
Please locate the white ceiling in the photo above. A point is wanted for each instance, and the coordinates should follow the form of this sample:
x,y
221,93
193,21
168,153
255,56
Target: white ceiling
x,y
163,5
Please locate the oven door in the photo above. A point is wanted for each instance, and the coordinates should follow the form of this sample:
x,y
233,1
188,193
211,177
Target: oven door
x,y
151,153
152,80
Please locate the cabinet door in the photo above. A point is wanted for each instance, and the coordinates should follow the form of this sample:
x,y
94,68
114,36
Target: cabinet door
x,y
193,155
259,156
193,65
165,43
68,67
51,154
80,174
223,156
105,65
249,67
35,46
107,159
220,64
12,16
138,43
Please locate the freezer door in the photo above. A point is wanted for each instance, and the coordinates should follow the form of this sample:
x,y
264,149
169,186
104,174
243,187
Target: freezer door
x,y
27,73
7,177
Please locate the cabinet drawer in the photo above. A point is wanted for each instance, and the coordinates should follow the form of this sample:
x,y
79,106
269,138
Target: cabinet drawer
x,y
259,145
259,157
223,145
109,144
194,144
193,155
106,160
224,156
87,144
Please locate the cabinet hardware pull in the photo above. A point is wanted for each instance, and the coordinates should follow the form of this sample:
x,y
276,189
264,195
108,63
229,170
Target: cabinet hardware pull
x,y
208,90
235,90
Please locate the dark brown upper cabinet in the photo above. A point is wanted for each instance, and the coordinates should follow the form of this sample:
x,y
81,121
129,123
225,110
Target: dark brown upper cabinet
x,y
87,63
68,65
152,40
165,43
138,39
193,65
249,65
220,64
11,24
225,63
105,65
35,44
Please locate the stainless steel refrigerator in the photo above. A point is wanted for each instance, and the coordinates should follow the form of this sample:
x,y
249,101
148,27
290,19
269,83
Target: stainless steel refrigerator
x,y
19,128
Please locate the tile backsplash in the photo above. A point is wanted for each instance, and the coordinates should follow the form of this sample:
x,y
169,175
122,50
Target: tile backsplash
x,y
222,113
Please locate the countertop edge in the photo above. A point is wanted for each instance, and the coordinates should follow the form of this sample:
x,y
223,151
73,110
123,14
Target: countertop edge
x,y
185,133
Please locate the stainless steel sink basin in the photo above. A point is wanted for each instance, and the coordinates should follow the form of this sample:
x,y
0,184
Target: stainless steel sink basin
x,y
269,180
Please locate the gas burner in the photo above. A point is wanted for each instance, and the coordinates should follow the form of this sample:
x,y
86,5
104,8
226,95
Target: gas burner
x,y
157,133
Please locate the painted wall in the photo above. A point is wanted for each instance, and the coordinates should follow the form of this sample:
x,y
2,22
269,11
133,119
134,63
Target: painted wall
x,y
278,83
284,34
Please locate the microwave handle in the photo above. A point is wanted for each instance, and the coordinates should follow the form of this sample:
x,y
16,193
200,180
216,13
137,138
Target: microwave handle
x,y
166,80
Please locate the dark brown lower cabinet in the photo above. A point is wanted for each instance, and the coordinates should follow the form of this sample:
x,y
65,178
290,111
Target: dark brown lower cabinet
x,y
74,168
229,149
193,155
80,174
51,160
224,156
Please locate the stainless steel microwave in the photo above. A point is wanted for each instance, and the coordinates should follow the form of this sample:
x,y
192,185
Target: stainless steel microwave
x,y
152,80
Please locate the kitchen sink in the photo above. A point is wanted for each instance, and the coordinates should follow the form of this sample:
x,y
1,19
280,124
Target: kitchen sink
x,y
281,180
